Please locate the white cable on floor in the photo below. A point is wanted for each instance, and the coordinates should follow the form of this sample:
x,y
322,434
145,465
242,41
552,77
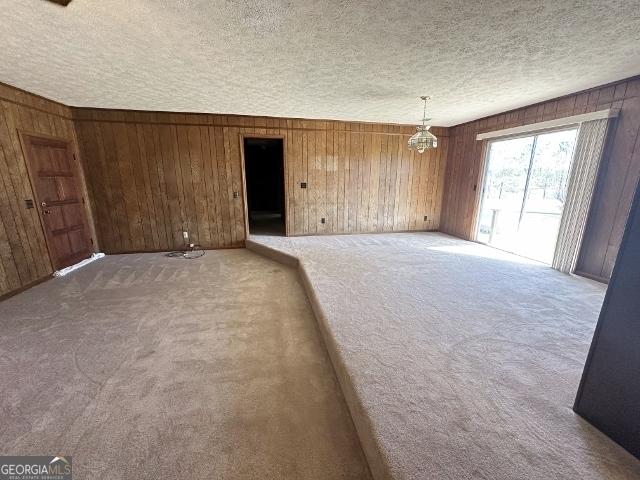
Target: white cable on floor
x,y
195,252
92,258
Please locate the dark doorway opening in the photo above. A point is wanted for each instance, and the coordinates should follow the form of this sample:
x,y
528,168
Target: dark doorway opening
x,y
264,171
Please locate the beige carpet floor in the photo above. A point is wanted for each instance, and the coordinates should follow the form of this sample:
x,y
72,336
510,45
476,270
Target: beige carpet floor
x,y
146,367
458,361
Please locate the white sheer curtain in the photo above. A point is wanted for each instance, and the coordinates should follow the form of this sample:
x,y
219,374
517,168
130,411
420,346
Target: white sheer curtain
x,y
582,179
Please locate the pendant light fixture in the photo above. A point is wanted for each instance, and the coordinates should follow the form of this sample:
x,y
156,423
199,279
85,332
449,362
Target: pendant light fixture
x,y
423,138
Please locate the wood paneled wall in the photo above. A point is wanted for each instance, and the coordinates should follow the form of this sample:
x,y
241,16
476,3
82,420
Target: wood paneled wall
x,y
617,178
153,175
24,258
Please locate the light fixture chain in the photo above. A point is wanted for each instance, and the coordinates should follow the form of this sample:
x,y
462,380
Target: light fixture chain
x,y
424,113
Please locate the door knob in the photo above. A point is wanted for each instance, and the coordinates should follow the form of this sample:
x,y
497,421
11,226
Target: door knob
x,y
44,204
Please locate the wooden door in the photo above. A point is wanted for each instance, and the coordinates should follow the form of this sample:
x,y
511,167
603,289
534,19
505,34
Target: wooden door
x,y
55,176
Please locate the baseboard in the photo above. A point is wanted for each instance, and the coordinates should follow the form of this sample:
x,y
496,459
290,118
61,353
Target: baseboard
x,y
164,250
595,278
376,232
21,289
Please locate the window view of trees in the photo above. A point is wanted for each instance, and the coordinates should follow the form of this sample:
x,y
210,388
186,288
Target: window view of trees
x,y
524,193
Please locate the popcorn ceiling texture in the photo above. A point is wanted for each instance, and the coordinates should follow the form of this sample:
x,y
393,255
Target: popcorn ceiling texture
x,y
342,60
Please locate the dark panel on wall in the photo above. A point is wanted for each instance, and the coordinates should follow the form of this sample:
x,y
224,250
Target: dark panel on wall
x,y
609,395
24,257
264,171
153,175
618,174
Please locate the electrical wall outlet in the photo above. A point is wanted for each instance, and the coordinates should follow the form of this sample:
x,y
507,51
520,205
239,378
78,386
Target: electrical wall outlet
x,y
185,235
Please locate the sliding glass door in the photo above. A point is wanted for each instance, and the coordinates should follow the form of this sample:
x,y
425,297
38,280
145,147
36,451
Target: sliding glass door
x,y
523,194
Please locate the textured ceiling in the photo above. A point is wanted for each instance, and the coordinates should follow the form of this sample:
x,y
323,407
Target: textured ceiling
x,y
345,60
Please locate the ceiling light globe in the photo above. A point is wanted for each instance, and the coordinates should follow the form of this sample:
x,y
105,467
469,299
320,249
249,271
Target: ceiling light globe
x,y
422,140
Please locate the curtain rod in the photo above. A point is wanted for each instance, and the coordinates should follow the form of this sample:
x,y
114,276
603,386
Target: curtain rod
x,y
558,122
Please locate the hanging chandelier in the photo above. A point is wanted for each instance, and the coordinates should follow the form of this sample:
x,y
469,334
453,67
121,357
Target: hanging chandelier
x,y
423,138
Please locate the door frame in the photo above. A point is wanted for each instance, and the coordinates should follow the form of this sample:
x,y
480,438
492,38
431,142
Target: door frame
x,y
479,190
71,147
266,136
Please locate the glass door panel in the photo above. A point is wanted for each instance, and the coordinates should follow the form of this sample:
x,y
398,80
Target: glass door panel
x,y
523,194
546,194
503,191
